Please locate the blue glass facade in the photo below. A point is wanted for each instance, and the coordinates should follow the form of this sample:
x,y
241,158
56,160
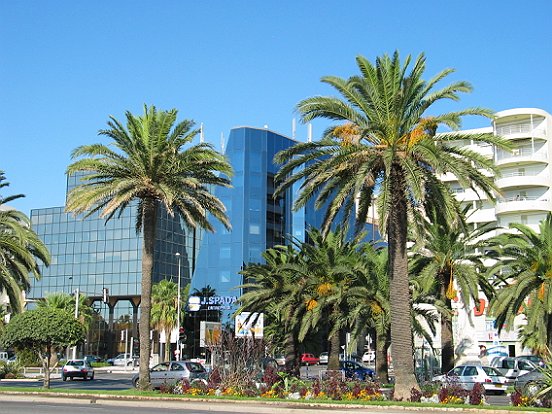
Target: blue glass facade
x,y
259,220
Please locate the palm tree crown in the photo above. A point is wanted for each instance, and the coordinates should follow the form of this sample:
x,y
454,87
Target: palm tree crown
x,y
387,141
147,163
21,250
525,260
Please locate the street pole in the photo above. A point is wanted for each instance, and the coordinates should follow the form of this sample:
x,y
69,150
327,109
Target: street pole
x,y
178,309
77,297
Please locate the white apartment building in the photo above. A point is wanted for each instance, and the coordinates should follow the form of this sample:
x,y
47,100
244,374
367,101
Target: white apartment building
x,y
525,183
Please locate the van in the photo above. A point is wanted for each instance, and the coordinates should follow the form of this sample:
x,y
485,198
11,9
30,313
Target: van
x,y
511,367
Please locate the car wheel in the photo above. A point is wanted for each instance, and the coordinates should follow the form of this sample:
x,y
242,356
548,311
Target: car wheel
x,y
63,378
135,382
92,377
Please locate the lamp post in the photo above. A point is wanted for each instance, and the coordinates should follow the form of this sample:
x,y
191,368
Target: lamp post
x,y
77,297
177,254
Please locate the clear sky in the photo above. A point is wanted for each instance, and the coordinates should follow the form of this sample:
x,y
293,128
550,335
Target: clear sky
x,y
65,66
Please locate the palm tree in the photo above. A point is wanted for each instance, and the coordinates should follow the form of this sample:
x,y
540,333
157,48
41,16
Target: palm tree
x,y
525,267
21,250
444,253
164,310
278,283
147,163
67,302
332,266
387,141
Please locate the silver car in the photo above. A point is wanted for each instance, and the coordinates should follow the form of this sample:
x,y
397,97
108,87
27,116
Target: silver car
x,y
466,376
77,368
512,367
530,382
169,373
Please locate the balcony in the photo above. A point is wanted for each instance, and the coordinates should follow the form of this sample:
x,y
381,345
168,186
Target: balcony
x,y
522,155
522,204
520,179
514,131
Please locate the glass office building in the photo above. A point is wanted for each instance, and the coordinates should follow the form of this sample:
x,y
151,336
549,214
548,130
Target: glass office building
x,y
91,254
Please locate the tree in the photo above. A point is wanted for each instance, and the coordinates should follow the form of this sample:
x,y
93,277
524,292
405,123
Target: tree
x,y
524,268
148,163
164,310
21,251
44,331
387,142
447,254
66,302
276,287
333,264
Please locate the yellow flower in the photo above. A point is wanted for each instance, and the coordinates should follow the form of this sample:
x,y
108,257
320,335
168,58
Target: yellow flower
x,y
324,289
311,304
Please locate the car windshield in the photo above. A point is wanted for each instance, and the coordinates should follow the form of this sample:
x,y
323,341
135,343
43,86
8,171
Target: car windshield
x,y
195,367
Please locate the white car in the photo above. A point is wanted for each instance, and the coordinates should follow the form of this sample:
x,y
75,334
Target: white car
x,y
466,376
369,356
323,358
77,368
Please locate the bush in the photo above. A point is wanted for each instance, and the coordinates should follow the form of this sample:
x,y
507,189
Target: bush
x,y
28,358
9,370
452,393
477,394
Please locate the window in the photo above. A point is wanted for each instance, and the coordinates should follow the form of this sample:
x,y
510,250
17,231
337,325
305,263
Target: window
x,y
470,371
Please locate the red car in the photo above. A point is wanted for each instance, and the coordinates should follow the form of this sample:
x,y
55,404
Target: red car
x,y
309,359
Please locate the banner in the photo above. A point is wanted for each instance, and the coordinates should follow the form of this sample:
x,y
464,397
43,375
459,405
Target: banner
x,y
248,324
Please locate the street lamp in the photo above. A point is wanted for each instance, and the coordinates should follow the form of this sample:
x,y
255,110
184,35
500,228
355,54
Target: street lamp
x,y
177,254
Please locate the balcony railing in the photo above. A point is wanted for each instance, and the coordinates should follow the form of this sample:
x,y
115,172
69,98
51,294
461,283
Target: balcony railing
x,y
519,129
520,198
521,152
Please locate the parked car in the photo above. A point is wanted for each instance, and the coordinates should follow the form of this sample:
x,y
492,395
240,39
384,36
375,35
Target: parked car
x,y
280,360
309,359
77,368
512,367
323,358
173,371
124,360
466,376
92,358
355,370
369,356
530,382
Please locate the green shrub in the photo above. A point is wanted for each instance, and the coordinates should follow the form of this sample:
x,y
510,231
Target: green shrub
x,y
9,370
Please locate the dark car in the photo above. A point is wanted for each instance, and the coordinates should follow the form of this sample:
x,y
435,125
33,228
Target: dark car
x,y
92,358
355,370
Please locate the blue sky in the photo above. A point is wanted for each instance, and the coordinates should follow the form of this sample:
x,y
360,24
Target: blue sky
x,y
65,66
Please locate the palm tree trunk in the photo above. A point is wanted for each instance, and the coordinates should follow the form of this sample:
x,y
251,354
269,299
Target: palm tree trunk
x,y
447,342
383,342
401,332
292,363
149,221
167,345
549,332
335,350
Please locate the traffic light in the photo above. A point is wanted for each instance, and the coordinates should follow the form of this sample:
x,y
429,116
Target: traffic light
x,y
181,334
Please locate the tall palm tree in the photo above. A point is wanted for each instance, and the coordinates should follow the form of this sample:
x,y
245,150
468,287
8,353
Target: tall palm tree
x,y
525,267
447,255
147,162
21,251
387,142
164,310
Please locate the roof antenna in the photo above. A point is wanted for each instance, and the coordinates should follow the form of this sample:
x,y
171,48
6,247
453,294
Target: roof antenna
x,y
201,136
293,128
309,132
222,142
